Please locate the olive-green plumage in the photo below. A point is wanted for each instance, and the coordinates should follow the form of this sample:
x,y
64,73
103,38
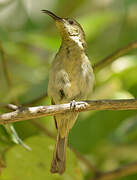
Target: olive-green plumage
x,y
71,78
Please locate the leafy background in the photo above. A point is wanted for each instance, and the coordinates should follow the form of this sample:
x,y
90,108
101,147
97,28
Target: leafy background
x,y
30,41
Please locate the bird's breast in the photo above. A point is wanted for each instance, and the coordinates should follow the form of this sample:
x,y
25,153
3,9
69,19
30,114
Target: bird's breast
x,y
71,77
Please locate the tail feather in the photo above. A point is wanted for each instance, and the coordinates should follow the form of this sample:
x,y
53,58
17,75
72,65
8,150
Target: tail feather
x,y
59,157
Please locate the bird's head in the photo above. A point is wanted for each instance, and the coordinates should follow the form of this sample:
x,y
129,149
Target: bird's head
x,y
69,29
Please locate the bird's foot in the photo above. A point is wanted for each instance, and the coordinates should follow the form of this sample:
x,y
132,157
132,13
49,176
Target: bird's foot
x,y
77,107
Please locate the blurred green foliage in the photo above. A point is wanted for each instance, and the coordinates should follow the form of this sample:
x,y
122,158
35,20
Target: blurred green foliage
x,y
30,41
36,164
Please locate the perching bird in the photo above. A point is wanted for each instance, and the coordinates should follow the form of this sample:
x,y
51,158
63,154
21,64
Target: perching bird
x,y
71,78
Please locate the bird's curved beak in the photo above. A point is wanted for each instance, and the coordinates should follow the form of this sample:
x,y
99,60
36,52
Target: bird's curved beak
x,y
52,15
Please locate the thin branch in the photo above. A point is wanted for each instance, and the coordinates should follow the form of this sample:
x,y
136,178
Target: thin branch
x,y
37,100
85,161
5,70
117,173
115,55
2,164
11,107
25,113
5,67
43,128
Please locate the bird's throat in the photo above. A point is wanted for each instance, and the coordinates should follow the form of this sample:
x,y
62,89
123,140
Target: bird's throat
x,y
77,41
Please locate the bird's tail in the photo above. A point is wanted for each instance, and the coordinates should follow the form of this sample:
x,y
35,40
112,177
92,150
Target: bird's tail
x,y
59,157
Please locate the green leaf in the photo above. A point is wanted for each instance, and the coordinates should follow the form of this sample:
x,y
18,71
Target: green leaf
x,y
22,164
88,133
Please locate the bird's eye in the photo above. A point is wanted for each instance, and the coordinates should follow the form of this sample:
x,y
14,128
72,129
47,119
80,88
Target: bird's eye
x,y
71,21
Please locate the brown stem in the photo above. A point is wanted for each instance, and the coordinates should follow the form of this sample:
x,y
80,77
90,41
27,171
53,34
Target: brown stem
x,y
35,101
25,113
2,164
43,128
115,55
117,173
6,71
85,161
5,67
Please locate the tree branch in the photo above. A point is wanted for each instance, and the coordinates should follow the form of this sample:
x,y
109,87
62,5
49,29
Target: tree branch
x,y
36,101
5,70
115,55
117,173
5,67
85,161
91,105
25,113
43,128
2,164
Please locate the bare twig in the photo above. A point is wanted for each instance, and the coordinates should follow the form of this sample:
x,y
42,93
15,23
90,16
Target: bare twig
x,y
5,67
25,113
11,107
115,55
6,71
85,161
2,164
37,100
117,173
43,128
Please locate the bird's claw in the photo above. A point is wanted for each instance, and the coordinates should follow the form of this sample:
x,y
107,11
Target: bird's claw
x,y
78,106
73,105
83,106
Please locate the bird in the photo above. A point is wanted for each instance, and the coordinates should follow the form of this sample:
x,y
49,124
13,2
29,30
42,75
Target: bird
x,y
71,79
